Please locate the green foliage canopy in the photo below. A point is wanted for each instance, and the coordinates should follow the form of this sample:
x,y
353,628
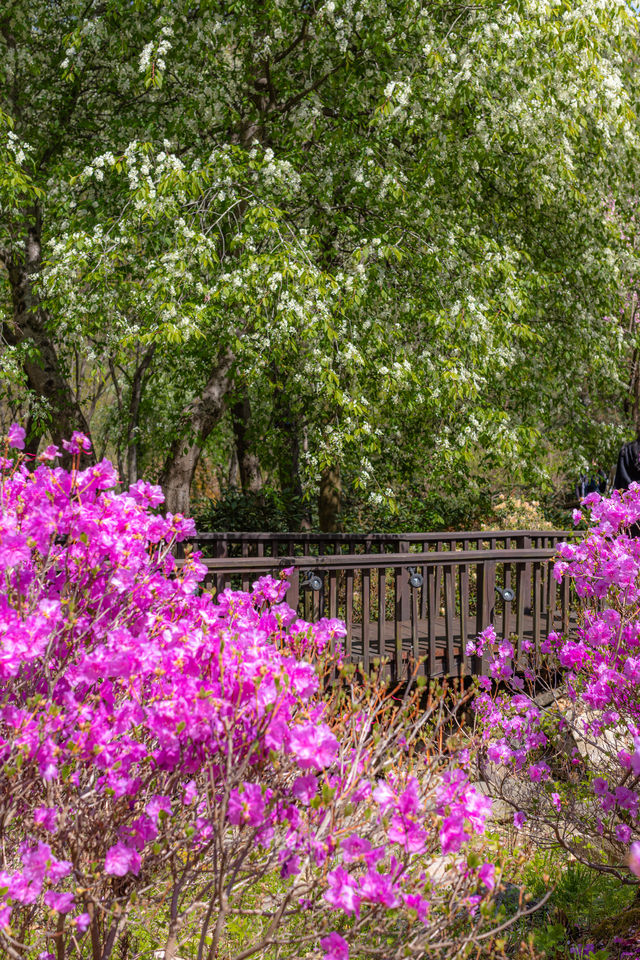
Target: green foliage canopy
x,y
379,225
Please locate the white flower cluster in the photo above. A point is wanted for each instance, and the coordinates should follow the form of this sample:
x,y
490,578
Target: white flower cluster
x,y
17,148
154,52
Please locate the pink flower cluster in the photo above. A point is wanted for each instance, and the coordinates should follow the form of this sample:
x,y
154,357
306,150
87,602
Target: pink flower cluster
x,y
145,729
598,663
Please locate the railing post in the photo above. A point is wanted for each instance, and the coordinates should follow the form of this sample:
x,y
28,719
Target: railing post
x,y
403,611
348,612
399,577
486,582
293,593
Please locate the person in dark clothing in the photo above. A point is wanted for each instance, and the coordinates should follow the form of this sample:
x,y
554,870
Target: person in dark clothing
x,y
628,466
597,483
628,471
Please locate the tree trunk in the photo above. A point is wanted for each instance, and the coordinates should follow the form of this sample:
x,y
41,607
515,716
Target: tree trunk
x,y
248,462
233,473
330,499
137,385
198,420
42,367
288,425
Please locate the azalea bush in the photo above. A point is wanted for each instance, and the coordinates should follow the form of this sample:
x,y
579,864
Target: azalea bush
x,y
179,774
562,727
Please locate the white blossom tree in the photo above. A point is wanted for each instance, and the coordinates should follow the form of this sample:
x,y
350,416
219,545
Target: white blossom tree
x,y
351,227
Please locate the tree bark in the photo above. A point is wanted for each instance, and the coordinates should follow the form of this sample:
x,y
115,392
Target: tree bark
x,y
330,499
137,386
288,425
248,461
198,420
42,366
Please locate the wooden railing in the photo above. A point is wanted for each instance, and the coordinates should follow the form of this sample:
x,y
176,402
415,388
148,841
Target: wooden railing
x,y
320,544
410,604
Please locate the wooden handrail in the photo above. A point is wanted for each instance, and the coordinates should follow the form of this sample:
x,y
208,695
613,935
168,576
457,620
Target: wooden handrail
x,y
354,561
306,537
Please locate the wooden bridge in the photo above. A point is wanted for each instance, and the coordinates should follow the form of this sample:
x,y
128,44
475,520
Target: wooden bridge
x,y
407,596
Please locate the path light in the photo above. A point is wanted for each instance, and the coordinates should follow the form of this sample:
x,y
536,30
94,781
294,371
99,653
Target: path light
x,y
313,581
507,594
415,579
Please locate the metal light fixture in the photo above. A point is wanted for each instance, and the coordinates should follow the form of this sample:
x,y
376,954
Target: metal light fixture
x,y
313,582
415,579
507,594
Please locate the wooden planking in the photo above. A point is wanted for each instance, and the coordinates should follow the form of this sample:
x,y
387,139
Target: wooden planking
x,y
507,606
432,614
449,611
415,627
400,618
366,639
293,593
463,587
333,594
349,610
551,599
565,601
537,603
226,537
522,573
382,610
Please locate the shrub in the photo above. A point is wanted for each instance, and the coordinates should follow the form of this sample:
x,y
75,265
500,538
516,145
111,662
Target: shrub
x,y
171,763
569,762
268,511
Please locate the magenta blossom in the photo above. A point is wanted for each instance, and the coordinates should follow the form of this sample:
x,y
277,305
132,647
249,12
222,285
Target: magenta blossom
x,y
335,947
121,860
15,437
150,729
313,745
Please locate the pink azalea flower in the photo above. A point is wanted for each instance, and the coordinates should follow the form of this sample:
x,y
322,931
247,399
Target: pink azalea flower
x,y
335,947
15,437
384,796
121,860
486,874
313,745
342,892
305,788
408,834
49,453
452,834
13,550
623,833
378,888
158,805
77,443
634,859
46,816
60,902
419,904
248,805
